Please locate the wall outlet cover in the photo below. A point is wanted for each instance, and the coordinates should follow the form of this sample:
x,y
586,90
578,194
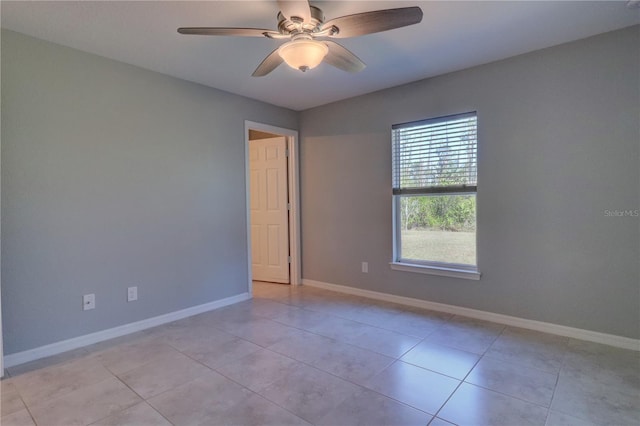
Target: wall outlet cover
x,y
88,302
132,294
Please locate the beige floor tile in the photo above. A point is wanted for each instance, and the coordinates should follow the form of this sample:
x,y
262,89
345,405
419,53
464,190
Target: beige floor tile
x,y
309,393
200,401
368,408
376,315
533,349
124,357
595,401
163,374
418,323
341,359
305,346
267,308
258,411
259,369
472,405
307,298
521,382
467,334
442,359
263,332
226,317
122,340
292,299
17,418
439,422
216,354
349,362
259,308
422,389
560,419
185,335
10,400
302,318
47,362
51,382
85,405
613,366
332,305
208,318
385,342
163,330
262,290
139,415
195,339
341,329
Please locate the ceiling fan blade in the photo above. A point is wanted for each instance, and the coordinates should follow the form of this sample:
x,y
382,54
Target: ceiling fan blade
x,y
373,22
220,31
269,64
299,8
342,58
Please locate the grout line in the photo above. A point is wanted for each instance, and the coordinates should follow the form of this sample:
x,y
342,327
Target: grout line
x,y
458,387
516,364
142,400
508,395
154,409
447,400
26,407
258,393
30,413
555,388
240,384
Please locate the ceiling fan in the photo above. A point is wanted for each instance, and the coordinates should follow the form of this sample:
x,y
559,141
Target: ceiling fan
x,y
303,25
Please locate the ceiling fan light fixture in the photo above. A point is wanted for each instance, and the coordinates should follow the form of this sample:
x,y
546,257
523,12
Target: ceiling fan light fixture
x,y
302,23
303,54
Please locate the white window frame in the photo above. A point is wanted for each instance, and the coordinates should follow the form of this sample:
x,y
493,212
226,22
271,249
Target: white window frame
x,y
454,270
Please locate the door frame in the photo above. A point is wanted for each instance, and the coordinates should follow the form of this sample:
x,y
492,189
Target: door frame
x,y
1,342
293,182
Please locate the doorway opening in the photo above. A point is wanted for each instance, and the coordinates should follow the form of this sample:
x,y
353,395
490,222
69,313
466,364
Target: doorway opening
x,y
272,203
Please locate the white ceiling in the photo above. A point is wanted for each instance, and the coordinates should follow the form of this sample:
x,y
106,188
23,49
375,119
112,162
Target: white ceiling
x,y
452,36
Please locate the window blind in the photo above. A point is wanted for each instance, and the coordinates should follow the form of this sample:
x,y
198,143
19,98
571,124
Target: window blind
x,y
437,155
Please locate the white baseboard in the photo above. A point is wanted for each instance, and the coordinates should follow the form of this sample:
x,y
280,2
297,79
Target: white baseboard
x,y
560,330
89,339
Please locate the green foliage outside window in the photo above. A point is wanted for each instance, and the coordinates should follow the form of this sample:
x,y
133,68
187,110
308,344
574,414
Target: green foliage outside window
x,y
441,212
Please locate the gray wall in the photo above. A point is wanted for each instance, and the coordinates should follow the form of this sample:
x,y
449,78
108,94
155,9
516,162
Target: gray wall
x,y
114,176
558,145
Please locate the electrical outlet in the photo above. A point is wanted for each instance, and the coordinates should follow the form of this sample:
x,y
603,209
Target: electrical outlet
x,y
365,267
88,302
132,294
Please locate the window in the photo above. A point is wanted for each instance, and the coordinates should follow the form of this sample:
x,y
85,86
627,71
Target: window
x,y
434,191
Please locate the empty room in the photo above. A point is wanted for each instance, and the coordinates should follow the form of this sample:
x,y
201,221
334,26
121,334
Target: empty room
x,y
320,213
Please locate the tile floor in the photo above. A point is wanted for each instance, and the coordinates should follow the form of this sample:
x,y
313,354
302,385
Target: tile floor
x,y
300,356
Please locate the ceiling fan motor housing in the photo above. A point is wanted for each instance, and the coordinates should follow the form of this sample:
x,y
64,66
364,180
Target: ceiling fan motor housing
x,y
297,25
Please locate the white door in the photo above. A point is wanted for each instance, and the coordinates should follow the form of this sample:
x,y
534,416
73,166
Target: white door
x,y
269,213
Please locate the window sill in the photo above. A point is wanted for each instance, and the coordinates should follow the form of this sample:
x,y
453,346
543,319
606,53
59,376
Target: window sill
x,y
435,270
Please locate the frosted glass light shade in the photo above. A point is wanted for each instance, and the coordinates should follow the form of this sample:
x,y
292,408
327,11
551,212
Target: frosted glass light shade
x,y
303,54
